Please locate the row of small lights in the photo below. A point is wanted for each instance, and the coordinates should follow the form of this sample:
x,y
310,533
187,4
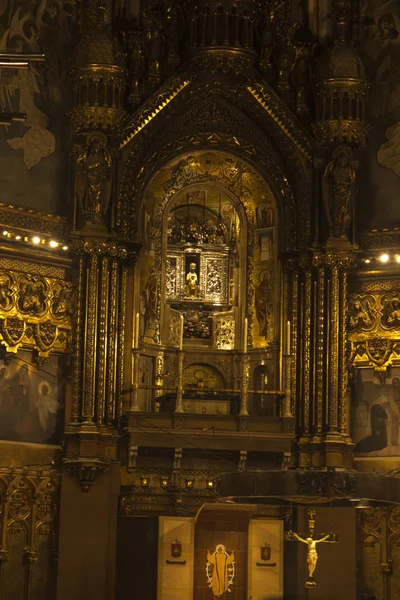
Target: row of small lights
x,y
35,240
384,258
164,482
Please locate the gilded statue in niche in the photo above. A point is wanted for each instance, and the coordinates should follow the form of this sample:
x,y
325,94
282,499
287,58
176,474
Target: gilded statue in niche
x,y
338,185
209,171
93,178
192,282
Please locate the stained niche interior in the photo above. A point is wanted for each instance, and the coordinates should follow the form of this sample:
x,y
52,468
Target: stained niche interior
x,y
209,259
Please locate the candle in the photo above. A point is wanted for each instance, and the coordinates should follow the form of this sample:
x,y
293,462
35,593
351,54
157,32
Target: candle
x,y
136,343
288,340
181,333
245,335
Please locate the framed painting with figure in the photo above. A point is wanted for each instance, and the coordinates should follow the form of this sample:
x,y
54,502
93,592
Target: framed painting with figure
x,y
31,399
376,414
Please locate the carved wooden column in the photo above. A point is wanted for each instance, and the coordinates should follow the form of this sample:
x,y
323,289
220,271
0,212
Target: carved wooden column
x,y
322,418
90,477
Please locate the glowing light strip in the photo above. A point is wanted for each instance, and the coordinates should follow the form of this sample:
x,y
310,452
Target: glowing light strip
x,y
154,113
263,103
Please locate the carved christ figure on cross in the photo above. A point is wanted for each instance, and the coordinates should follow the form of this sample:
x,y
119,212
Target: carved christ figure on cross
x,y
312,554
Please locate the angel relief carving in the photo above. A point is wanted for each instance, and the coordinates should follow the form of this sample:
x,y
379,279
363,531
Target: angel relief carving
x,y
391,312
32,297
361,314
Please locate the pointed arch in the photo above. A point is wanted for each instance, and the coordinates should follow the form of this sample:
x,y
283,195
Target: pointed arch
x,y
210,120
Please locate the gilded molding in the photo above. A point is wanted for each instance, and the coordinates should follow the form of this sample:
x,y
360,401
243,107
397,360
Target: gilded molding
x,y
320,349
28,221
112,341
77,345
286,122
13,264
151,110
306,366
90,347
333,349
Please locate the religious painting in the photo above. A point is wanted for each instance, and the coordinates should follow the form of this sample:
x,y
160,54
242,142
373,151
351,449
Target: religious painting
x,y
42,93
376,414
31,400
379,48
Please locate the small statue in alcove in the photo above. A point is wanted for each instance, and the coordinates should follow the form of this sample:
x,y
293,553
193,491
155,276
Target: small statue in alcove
x,y
94,178
192,286
338,186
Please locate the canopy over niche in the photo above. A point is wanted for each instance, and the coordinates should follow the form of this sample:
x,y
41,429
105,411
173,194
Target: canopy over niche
x,y
209,205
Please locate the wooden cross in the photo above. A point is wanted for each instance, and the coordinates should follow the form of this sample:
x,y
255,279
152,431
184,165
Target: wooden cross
x,y
311,541
16,60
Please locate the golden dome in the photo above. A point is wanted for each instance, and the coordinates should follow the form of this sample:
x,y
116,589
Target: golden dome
x,y
341,61
100,47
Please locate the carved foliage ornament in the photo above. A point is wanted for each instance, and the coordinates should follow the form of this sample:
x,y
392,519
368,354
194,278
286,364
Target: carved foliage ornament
x,y
86,472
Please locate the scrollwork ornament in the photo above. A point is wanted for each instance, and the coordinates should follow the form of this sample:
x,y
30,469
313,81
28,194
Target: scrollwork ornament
x,y
394,519
19,505
31,555
86,472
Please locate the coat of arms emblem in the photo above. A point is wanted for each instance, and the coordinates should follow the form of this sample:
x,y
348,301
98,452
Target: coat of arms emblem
x,y
220,570
176,549
265,552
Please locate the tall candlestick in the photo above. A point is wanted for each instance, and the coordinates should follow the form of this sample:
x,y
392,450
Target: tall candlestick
x,y
288,340
136,344
181,333
245,335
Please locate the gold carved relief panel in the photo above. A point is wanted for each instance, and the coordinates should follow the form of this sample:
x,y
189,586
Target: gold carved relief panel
x,y
36,308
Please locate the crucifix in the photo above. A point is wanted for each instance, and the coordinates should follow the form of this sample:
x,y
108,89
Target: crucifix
x,y
11,60
311,542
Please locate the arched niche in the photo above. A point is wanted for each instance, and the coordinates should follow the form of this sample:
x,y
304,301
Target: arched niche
x,y
215,188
